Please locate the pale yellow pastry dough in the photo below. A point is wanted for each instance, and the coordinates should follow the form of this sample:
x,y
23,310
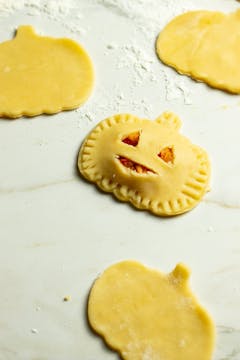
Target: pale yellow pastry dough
x,y
42,74
146,315
162,186
204,45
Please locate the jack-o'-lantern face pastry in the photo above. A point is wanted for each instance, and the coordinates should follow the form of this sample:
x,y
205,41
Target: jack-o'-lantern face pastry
x,y
147,163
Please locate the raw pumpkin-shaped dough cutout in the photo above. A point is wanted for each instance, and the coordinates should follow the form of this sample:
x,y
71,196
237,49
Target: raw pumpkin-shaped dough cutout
x,y
40,74
147,163
204,45
146,315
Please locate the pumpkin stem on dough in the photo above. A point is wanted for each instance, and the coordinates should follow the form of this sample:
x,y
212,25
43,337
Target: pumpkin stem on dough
x,y
180,274
25,30
170,119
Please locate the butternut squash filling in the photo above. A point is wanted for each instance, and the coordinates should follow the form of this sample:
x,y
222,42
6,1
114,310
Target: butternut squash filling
x,y
132,139
130,164
167,155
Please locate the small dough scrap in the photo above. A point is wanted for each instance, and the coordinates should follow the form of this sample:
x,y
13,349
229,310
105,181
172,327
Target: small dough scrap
x,y
40,74
146,315
204,45
147,163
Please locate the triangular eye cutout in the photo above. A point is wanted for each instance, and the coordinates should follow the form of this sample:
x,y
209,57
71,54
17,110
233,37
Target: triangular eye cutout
x,y
132,139
167,154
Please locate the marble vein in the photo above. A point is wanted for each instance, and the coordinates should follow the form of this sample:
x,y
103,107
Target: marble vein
x,y
222,204
232,355
227,329
227,269
14,190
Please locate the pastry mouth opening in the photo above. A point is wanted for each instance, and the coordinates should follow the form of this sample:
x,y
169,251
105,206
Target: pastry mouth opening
x,y
132,165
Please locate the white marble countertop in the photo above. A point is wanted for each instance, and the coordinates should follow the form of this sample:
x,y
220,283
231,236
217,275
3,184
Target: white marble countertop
x,y
58,232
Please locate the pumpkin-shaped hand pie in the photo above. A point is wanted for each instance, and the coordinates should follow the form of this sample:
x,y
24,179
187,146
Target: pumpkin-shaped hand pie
x,y
42,75
204,45
148,163
146,315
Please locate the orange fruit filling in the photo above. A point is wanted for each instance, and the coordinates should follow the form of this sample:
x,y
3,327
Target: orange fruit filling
x,y
132,139
167,155
134,166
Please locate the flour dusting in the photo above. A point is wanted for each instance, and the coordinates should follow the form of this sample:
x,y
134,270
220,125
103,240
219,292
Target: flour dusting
x,y
108,103
149,17
55,9
140,61
133,56
146,354
149,354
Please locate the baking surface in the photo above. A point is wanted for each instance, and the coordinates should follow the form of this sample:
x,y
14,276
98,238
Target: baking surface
x,y
59,232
